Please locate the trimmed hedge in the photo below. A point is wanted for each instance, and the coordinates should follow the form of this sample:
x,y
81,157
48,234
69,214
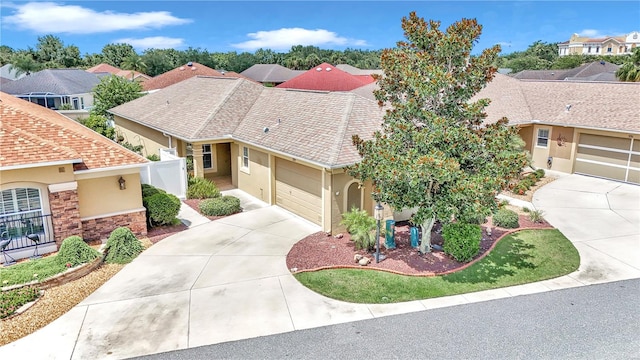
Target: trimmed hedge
x,y
220,206
461,241
162,208
122,246
75,251
150,190
201,188
506,218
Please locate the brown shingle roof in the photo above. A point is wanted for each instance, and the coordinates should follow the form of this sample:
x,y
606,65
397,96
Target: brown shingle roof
x,y
313,125
34,134
181,73
593,104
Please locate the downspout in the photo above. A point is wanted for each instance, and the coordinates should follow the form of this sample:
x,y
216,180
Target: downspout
x,y
170,138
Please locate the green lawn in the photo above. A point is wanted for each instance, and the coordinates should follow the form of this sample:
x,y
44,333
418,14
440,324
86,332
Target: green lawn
x,y
520,258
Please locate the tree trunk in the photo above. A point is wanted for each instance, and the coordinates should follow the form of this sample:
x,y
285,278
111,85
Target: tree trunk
x,y
425,240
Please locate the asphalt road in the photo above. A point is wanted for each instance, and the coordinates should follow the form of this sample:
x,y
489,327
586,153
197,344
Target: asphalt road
x,y
591,322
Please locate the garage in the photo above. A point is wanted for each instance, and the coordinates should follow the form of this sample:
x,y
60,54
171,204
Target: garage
x,y
299,189
609,157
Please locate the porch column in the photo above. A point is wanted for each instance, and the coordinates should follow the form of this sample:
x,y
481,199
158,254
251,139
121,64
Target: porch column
x,y
198,168
65,211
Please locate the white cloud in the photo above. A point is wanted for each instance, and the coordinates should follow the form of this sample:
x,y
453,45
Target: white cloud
x,y
504,44
592,33
154,42
285,38
49,17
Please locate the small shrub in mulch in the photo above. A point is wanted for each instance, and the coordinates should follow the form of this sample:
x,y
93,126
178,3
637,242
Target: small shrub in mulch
x,y
74,251
461,241
201,188
122,246
221,206
506,218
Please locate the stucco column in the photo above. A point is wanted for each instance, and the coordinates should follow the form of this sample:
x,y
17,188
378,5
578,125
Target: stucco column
x,y
198,168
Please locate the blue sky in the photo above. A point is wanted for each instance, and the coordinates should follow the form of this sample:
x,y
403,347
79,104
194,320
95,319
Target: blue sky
x,y
222,26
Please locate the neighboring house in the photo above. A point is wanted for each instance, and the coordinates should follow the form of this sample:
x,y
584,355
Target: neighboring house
x,y
612,45
55,88
357,71
270,74
7,74
127,74
591,128
326,77
285,147
593,71
60,178
181,73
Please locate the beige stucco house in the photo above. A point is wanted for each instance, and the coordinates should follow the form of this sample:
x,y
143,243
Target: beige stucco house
x,y
285,147
63,177
591,128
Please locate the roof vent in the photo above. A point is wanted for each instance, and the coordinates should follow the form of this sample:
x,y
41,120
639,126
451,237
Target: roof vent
x,y
328,69
265,130
189,63
568,107
319,69
222,72
601,62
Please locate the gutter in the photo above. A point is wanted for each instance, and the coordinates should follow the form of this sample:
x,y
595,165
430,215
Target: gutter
x,y
538,122
41,164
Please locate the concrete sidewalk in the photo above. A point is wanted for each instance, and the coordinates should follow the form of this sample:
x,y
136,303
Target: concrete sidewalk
x,y
227,280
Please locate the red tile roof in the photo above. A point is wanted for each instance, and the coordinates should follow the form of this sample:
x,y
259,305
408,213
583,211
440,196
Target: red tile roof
x,y
31,134
102,68
326,77
182,73
127,74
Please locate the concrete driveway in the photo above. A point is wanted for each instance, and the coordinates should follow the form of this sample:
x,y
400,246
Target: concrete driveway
x,y
602,219
227,280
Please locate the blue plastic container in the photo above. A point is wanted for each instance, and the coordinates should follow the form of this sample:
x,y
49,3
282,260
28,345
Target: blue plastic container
x,y
390,235
415,236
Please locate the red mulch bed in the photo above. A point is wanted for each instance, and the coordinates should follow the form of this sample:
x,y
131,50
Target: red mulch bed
x,y
321,251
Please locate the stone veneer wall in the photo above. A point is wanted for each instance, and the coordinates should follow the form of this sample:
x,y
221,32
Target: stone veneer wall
x,y
65,214
101,228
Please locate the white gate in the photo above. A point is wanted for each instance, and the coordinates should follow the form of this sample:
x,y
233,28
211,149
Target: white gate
x,y
168,174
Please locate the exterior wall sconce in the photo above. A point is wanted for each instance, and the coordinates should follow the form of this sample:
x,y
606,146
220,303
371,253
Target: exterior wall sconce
x,y
122,183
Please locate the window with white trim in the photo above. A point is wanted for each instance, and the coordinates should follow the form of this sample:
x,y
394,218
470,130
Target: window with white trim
x,y
245,158
543,138
207,158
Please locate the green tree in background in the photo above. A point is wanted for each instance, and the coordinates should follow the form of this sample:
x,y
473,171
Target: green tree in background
x,y
434,152
115,54
630,70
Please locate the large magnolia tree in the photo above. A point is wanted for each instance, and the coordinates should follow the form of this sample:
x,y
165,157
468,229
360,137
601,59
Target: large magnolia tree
x,y
434,151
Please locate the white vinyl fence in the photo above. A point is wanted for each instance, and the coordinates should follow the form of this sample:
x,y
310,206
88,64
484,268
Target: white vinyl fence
x,y
168,174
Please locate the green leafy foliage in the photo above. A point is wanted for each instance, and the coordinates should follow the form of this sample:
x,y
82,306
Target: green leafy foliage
x,y
33,270
99,124
12,300
220,206
201,188
149,190
461,241
506,218
74,251
162,208
153,157
361,227
113,91
434,152
630,69
122,246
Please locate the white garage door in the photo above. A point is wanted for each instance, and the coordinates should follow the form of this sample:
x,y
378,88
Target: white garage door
x,y
609,157
299,190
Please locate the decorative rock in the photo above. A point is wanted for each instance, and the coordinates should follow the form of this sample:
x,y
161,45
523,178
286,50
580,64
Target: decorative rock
x,y
339,236
364,261
357,257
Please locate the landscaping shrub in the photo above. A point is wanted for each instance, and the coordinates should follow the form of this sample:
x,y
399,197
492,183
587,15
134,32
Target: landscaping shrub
x,y
12,300
122,246
201,188
150,190
536,216
162,208
462,241
360,225
153,157
75,251
220,206
506,218
539,173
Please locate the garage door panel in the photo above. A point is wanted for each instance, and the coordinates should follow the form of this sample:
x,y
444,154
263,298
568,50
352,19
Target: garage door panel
x,y
608,157
298,189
